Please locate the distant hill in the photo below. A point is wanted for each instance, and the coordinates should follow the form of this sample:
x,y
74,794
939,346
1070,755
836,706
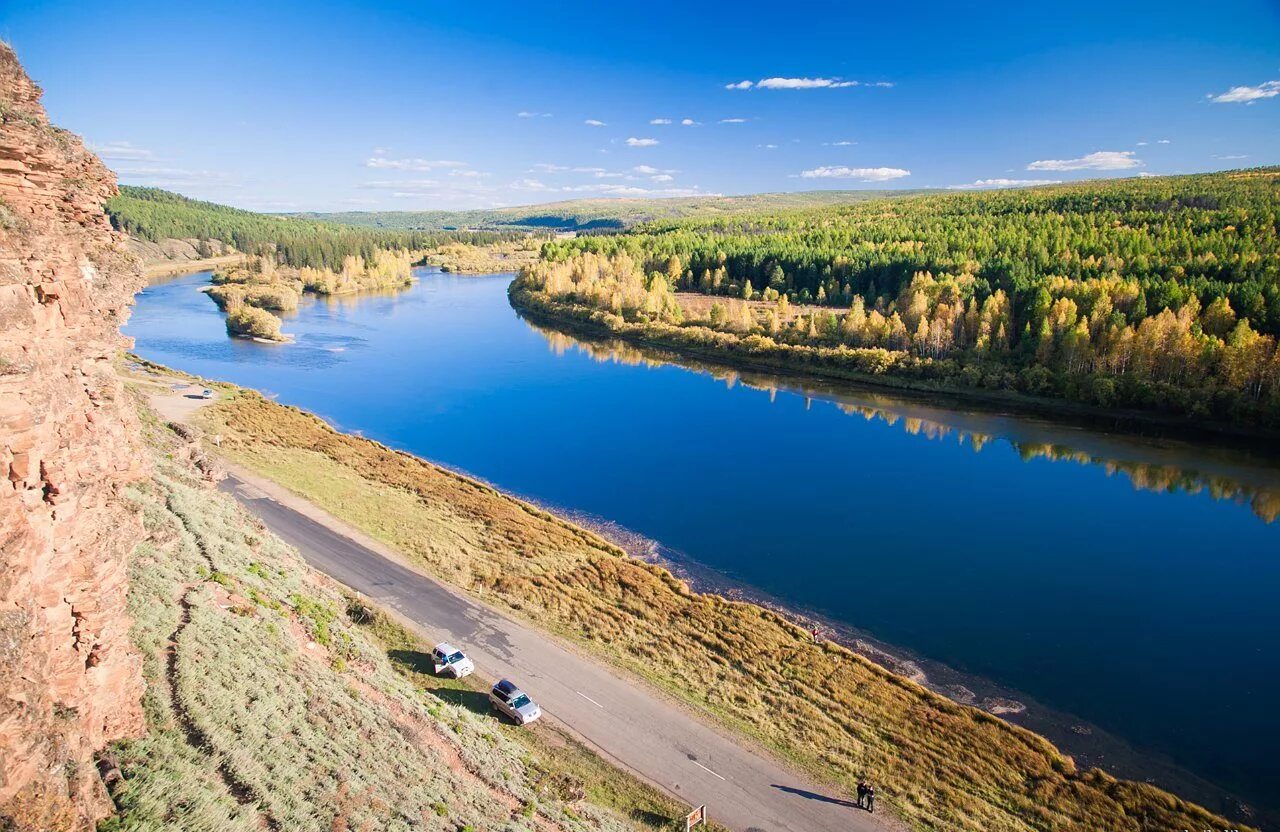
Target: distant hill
x,y
595,214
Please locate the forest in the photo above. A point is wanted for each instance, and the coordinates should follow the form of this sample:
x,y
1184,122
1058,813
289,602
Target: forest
x,y
154,214
1158,293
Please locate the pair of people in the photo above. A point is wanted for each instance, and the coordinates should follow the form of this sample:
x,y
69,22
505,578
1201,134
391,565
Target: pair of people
x,y
866,796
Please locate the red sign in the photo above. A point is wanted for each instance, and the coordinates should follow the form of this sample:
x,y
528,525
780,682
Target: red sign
x,y
698,817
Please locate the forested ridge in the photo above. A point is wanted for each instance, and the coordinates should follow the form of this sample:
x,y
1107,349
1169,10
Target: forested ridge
x,y
154,214
1158,293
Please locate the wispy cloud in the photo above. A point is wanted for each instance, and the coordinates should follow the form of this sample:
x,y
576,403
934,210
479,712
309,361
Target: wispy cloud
x,y
777,83
767,146
122,151
1232,156
1247,95
594,122
1003,183
419,165
1098,160
662,177
733,121
528,114
650,170
1164,141
688,122
659,121
169,177
863,174
641,142
841,143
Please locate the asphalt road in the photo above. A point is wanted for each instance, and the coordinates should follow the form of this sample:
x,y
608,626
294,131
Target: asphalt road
x,y
638,728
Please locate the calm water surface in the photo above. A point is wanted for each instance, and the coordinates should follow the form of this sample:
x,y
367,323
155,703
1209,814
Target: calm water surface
x,y
965,538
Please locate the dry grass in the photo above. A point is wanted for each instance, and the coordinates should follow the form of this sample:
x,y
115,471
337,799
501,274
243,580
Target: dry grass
x,y
268,707
939,765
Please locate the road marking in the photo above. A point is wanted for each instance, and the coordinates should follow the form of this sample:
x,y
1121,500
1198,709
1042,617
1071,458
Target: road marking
x,y
589,699
704,768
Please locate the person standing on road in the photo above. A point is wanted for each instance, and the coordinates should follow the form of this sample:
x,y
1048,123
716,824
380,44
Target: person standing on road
x,y
871,797
862,794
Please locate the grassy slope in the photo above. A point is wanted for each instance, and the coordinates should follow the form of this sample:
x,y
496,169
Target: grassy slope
x,y
941,765
276,702
596,213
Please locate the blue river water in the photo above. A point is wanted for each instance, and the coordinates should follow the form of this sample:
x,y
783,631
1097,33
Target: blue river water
x,y
1130,583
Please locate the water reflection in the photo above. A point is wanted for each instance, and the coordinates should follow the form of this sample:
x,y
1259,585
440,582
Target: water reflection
x,y
1158,465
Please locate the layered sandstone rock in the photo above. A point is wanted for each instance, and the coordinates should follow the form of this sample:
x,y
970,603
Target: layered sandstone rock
x,y
69,679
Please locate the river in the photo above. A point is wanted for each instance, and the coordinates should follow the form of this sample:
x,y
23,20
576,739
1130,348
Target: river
x,y
1123,587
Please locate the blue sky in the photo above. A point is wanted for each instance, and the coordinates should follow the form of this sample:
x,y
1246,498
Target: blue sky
x,y
411,106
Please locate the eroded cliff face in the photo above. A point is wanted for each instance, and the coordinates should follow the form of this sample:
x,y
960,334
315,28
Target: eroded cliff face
x,y
69,678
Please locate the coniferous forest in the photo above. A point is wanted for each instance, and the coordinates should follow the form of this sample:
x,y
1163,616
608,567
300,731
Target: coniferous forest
x,y
1158,294
154,214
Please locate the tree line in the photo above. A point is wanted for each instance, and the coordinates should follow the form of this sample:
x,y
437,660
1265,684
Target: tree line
x,y
154,214
1158,293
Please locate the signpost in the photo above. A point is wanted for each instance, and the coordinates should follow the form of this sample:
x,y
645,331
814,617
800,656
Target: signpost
x,y
698,817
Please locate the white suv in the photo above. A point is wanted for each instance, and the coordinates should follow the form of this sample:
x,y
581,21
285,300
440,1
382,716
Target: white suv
x,y
451,661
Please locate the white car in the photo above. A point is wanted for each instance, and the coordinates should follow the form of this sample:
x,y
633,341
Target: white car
x,y
451,661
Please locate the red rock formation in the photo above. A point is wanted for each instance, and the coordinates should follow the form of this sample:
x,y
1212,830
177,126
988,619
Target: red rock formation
x,y
69,678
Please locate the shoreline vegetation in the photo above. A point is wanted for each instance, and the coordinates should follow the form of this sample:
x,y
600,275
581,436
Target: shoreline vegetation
x,y
831,712
1158,295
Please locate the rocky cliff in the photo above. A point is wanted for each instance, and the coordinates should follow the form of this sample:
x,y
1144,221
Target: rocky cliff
x,y
69,679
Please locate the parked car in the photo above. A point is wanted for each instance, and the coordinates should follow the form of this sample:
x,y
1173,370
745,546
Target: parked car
x,y
207,394
451,661
515,703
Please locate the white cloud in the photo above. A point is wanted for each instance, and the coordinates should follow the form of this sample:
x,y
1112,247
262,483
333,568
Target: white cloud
x,y
1003,183
1232,156
528,114
841,143
688,122
547,167
650,170
166,177
1143,144
470,174
733,121
1099,160
659,121
122,151
635,142
803,84
1164,141
662,177
863,174
421,165
1247,95
767,146
593,122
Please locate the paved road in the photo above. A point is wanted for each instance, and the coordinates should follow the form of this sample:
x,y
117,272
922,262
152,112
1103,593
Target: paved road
x,y
639,729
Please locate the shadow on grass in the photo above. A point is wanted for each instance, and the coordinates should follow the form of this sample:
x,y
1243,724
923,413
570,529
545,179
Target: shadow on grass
x,y
445,689
473,700
414,660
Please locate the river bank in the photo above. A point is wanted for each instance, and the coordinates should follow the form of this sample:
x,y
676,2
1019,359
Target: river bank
x,y
727,350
